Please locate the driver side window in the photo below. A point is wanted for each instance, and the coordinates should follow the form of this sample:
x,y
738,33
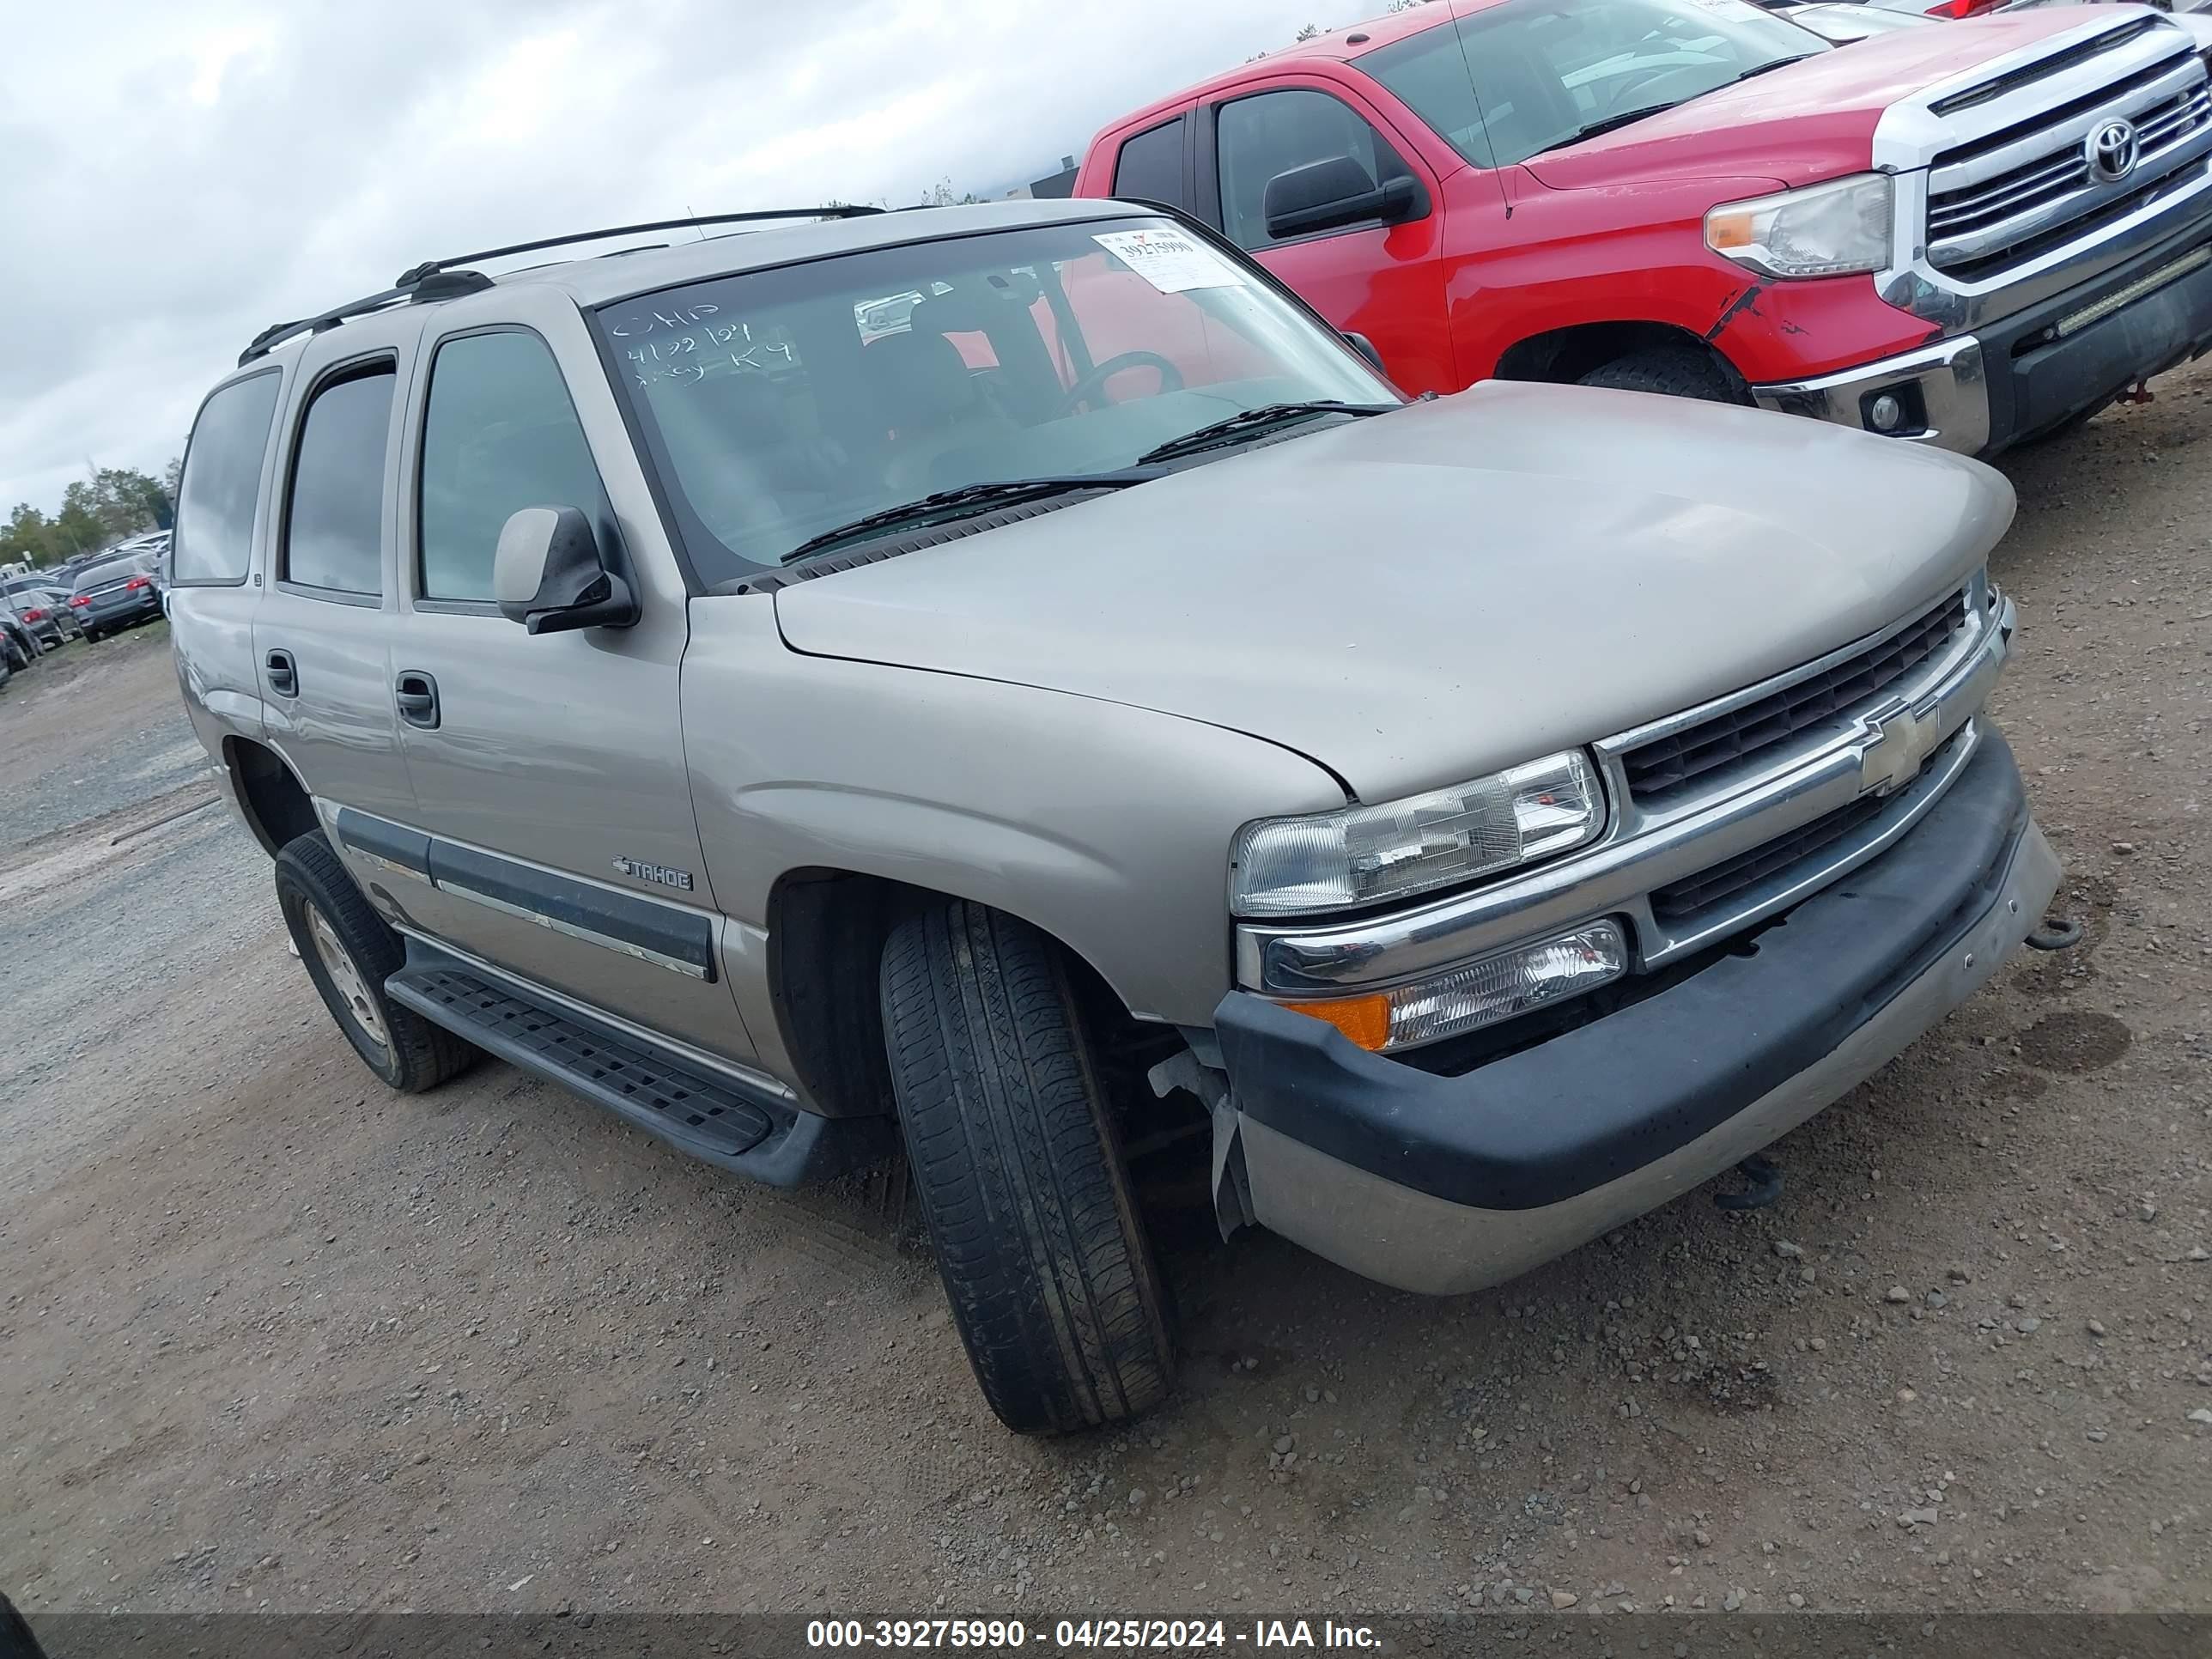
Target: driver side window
x,y
1274,132
499,434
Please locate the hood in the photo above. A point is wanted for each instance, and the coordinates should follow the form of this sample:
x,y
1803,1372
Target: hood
x,y
1808,122
1421,596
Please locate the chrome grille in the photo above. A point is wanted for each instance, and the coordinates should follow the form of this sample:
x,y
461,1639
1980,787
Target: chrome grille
x,y
2027,186
1679,900
1655,770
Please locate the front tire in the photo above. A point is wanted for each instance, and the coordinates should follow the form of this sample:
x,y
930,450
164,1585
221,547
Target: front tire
x,y
349,952
1671,371
1019,1168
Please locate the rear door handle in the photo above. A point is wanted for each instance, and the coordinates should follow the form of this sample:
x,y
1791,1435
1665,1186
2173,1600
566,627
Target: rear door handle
x,y
283,673
417,694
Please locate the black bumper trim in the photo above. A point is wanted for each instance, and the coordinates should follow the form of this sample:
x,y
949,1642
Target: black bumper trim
x,y
1595,1103
2033,387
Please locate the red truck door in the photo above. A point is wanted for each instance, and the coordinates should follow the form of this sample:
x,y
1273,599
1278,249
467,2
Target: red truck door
x,y
1384,280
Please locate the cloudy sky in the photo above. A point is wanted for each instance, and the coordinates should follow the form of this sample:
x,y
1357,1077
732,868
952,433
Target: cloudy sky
x,y
174,176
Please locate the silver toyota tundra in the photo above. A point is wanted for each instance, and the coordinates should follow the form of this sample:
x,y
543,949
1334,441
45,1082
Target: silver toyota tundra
x,y
1010,682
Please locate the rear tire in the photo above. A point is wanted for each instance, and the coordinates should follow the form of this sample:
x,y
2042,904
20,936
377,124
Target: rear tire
x,y
1018,1169
349,952
1671,371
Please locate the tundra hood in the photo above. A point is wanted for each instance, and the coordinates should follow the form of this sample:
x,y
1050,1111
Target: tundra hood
x,y
1419,597
1803,123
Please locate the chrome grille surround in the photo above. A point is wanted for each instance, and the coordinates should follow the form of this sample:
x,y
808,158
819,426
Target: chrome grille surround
x,y
1990,215
1722,824
1736,734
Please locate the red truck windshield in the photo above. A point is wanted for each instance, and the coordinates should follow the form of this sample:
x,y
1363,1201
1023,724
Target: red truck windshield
x,y
1513,80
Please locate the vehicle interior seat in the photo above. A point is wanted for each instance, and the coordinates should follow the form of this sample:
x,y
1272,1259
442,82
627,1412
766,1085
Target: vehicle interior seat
x,y
934,404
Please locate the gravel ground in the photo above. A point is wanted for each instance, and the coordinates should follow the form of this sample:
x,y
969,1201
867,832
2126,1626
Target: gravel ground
x,y
63,771
273,1338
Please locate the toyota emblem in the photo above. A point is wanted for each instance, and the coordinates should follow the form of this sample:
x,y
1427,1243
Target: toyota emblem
x,y
2113,149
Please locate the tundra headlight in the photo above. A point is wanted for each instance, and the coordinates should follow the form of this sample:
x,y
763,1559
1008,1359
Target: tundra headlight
x,y
1367,854
1824,230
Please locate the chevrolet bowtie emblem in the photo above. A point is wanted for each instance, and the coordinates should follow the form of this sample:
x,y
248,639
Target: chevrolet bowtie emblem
x,y
1901,742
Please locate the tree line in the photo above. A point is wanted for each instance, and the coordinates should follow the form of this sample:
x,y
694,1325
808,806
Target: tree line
x,y
113,504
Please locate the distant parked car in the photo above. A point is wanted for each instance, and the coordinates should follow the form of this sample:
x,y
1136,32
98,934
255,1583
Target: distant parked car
x,y
1845,23
18,645
115,594
42,601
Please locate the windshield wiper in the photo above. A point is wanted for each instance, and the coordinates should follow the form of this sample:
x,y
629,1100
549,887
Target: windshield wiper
x,y
1768,68
1624,117
1619,118
1251,419
975,497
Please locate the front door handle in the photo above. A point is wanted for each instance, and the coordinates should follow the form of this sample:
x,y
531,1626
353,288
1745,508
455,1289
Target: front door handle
x,y
417,694
283,673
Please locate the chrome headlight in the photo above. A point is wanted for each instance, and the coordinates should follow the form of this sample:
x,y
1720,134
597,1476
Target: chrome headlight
x,y
1363,855
1824,230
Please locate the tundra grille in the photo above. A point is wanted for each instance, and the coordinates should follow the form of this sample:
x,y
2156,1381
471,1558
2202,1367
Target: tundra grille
x,y
1654,770
2029,187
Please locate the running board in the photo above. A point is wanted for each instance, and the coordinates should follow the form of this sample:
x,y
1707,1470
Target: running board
x,y
712,1117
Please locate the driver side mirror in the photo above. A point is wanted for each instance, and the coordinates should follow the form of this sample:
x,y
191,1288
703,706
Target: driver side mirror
x,y
550,576
1328,194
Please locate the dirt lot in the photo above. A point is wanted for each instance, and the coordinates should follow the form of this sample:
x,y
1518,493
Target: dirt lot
x,y
273,1338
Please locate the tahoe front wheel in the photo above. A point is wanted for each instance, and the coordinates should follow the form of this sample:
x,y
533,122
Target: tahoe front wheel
x,y
1019,1168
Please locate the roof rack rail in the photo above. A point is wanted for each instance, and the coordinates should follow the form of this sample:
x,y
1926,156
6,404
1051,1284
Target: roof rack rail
x,y
438,279
835,210
438,285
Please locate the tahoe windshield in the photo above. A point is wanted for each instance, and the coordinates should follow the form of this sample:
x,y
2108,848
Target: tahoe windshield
x,y
783,403
1515,80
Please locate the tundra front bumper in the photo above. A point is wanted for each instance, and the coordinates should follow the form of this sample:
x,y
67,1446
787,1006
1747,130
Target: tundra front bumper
x,y
1445,1184
2034,370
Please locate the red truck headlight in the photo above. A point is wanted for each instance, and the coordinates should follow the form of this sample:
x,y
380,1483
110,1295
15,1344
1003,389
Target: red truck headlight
x,y
1834,229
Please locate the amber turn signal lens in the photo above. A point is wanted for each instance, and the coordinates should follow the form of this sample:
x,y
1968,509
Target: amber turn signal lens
x,y
1366,1020
1725,230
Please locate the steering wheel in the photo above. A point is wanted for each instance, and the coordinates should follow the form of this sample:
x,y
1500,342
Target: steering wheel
x,y
1093,385
1692,76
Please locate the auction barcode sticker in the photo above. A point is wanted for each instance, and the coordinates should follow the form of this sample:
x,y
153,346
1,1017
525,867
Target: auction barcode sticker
x,y
1169,260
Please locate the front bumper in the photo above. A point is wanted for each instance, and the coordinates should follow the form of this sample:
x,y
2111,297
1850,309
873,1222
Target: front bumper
x,y
1445,1184
2036,369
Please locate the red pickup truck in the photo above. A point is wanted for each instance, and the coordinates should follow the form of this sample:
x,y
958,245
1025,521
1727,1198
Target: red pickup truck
x,y
1968,235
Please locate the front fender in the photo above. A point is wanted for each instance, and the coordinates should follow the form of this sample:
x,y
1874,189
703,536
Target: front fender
x,y
1637,253
1106,826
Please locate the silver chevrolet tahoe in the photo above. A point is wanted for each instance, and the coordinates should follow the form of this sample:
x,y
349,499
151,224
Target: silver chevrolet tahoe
x,y
1081,709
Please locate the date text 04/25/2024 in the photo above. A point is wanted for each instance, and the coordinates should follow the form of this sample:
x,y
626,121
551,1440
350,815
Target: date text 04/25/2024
x,y
1001,1635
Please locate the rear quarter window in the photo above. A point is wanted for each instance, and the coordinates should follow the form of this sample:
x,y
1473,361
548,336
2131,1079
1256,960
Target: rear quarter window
x,y
1150,167
220,490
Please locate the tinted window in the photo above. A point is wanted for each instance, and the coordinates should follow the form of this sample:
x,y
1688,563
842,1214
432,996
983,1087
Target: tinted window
x,y
221,486
1150,167
1276,131
1543,69
334,530
1428,73
500,435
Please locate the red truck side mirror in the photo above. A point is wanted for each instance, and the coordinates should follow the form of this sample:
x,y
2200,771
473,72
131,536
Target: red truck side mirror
x,y
1327,194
